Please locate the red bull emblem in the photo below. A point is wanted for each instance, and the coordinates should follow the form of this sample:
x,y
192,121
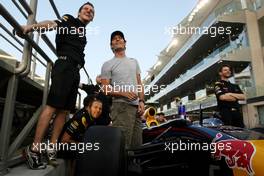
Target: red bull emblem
x,y
237,153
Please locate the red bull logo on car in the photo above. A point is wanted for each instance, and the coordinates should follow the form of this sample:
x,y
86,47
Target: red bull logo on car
x,y
237,153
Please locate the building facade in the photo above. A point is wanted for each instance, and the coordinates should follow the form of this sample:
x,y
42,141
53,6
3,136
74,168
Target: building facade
x,y
215,32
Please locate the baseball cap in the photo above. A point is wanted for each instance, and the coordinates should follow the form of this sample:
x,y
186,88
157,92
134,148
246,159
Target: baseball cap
x,y
117,33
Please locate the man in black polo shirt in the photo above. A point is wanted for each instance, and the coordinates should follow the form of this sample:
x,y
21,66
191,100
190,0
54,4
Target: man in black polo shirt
x,y
228,95
65,77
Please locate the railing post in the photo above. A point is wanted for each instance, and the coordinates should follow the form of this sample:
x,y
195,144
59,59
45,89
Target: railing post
x,y
24,133
11,93
27,50
7,122
34,61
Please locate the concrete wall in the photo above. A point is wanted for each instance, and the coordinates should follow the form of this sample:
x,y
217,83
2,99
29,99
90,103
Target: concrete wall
x,y
257,60
251,115
253,111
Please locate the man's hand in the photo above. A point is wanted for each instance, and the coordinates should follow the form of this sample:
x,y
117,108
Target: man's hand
x,y
141,108
130,95
25,30
42,27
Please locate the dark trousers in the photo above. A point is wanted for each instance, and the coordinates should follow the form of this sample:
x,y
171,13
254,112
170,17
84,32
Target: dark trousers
x,y
232,116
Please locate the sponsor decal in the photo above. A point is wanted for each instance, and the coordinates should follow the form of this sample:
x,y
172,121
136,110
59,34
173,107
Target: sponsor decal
x,y
237,153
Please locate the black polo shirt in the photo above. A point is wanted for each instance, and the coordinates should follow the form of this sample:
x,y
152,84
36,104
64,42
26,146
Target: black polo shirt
x,y
222,87
70,38
78,124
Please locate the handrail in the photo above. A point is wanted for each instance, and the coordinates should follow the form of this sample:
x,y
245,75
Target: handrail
x,y
19,42
19,8
22,70
43,36
1,35
17,26
27,48
26,6
54,8
21,50
10,34
23,65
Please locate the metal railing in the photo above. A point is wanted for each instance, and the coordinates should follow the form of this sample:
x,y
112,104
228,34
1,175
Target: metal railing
x,y
189,74
6,150
7,147
18,41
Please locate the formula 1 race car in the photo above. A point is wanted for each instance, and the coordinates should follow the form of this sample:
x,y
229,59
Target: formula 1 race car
x,y
176,147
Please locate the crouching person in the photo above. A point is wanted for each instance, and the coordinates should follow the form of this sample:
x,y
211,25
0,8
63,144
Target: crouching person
x,y
74,130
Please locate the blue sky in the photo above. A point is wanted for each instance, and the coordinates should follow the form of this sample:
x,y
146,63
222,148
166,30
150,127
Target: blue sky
x,y
143,22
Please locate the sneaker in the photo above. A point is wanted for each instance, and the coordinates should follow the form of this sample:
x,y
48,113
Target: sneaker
x,y
51,154
33,159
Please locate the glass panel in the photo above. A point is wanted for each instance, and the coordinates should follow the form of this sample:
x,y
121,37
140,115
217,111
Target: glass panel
x,y
261,114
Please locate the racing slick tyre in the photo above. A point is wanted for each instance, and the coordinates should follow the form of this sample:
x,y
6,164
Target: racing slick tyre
x,y
107,156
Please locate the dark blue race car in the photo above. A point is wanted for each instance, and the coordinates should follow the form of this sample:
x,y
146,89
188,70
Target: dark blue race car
x,y
176,147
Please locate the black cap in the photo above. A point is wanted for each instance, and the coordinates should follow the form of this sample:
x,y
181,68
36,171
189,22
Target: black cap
x,y
117,33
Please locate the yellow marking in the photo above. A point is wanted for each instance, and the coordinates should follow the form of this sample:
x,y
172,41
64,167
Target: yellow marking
x,y
84,122
75,123
65,18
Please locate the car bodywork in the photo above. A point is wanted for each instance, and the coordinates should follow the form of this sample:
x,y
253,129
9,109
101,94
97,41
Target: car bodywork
x,y
186,149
